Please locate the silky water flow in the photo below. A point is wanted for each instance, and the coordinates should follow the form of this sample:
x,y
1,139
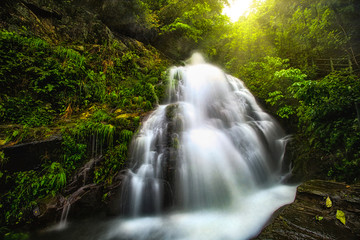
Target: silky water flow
x,y
206,165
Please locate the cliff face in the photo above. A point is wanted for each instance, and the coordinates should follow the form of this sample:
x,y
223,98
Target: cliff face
x,y
89,21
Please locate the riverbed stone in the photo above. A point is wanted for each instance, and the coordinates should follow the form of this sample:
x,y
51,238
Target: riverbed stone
x,y
310,217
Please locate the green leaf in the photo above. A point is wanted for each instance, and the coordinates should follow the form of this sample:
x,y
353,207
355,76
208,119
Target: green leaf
x,y
328,202
50,87
340,215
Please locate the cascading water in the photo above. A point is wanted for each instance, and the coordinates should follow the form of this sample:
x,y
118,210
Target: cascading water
x,y
207,165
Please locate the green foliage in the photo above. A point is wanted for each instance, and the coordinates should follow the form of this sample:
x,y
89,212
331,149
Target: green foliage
x,y
28,187
275,50
114,161
74,153
270,80
300,31
101,134
190,24
327,116
56,177
246,41
100,116
36,80
17,134
311,31
285,102
126,135
323,109
3,159
16,236
260,76
26,111
42,84
271,49
96,126
279,100
187,25
334,95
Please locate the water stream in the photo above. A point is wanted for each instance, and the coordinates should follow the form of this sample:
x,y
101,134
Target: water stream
x,y
208,164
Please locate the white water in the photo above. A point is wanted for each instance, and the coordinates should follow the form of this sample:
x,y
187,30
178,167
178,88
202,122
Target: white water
x,y
64,215
207,165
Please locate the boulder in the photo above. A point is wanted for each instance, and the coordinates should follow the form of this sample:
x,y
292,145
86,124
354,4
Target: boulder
x,y
317,213
30,155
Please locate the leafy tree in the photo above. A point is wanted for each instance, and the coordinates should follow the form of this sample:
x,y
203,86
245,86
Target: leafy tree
x,y
327,116
184,25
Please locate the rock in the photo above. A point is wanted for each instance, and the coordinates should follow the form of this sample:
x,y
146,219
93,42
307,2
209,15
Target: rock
x,y
113,195
42,12
84,202
309,217
84,197
54,21
27,156
127,18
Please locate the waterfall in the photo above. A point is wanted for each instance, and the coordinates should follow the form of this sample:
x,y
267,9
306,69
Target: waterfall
x,y
65,212
208,164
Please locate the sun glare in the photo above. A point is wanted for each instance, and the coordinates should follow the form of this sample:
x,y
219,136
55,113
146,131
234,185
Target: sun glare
x,y
236,9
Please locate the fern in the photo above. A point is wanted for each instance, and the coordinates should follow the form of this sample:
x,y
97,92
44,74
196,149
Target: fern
x,y
126,135
106,132
70,54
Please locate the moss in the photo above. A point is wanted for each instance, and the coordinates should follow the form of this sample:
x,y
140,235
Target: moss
x,y
127,115
171,111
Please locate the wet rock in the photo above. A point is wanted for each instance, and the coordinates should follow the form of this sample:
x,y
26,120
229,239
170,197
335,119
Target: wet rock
x,y
83,197
27,156
81,194
113,195
84,202
172,142
310,217
84,176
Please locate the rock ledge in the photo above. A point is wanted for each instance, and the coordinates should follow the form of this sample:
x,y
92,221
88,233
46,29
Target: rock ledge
x,y
309,217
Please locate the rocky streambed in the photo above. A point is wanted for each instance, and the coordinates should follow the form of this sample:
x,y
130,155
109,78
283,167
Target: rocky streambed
x,y
321,210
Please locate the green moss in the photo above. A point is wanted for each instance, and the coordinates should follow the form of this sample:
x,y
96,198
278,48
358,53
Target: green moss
x,y
16,236
171,111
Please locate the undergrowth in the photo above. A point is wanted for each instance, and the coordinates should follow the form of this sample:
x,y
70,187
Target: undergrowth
x,y
95,99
